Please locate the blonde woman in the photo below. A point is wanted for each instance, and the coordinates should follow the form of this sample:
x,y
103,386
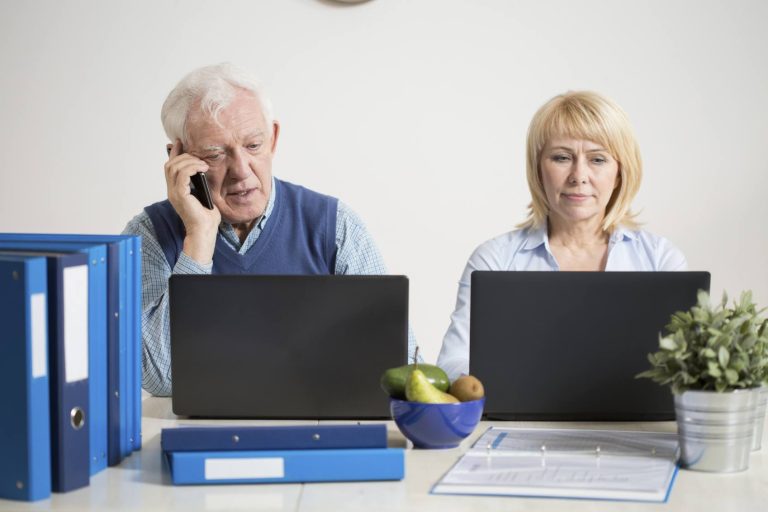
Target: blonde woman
x,y
584,170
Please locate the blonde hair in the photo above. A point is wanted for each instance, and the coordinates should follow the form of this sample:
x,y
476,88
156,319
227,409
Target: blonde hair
x,y
589,116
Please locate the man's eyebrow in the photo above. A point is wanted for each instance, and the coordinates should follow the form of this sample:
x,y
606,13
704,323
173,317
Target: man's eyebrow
x,y
221,147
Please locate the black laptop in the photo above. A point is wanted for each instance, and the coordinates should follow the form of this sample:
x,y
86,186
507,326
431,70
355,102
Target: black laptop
x,y
567,345
256,346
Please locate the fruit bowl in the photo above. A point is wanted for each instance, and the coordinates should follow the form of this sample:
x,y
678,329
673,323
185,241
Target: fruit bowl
x,y
436,425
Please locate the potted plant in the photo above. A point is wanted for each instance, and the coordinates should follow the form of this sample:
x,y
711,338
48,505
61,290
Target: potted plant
x,y
715,359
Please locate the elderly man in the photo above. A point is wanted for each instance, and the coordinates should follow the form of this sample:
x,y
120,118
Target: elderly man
x,y
221,123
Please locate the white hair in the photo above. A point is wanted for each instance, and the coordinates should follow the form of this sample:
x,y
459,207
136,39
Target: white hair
x,y
213,87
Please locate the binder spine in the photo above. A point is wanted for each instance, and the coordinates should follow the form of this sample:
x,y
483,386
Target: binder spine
x,y
126,375
38,419
287,466
136,339
97,357
273,438
114,398
25,464
70,430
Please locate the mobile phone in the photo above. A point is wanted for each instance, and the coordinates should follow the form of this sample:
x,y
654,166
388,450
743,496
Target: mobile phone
x,y
199,187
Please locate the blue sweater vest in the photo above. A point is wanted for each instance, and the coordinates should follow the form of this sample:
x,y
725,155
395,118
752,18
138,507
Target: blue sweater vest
x,y
299,237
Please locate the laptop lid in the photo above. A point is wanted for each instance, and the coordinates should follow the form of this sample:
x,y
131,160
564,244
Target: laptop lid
x,y
567,345
257,346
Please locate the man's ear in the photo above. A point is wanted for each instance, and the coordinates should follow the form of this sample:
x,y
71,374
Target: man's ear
x,y
275,134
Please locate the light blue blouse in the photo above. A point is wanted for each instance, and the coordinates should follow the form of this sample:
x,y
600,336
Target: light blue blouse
x,y
529,249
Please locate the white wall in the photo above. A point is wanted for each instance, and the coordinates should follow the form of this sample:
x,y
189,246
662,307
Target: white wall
x,y
413,112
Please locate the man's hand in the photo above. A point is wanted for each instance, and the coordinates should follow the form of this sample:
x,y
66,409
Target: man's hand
x,y
200,223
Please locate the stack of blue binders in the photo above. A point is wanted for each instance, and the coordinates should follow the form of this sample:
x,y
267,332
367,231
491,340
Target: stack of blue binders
x,y
261,454
70,359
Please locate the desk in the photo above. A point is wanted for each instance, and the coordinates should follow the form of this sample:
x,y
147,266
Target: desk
x,y
142,482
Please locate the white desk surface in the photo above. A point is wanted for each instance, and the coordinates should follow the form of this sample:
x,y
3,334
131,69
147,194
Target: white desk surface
x,y
142,482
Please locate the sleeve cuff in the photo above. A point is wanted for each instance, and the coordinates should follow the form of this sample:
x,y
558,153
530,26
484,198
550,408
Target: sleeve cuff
x,y
186,265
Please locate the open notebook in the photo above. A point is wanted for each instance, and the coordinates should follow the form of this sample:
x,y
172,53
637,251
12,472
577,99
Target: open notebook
x,y
566,463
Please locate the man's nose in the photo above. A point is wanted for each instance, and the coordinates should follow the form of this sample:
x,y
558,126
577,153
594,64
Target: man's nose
x,y
239,165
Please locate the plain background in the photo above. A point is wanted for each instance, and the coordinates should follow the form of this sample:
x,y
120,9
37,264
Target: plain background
x,y
413,112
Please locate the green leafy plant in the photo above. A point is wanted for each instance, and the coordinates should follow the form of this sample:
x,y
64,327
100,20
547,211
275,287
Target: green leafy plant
x,y
713,348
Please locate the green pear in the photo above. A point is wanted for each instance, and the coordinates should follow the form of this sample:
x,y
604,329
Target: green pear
x,y
419,389
393,380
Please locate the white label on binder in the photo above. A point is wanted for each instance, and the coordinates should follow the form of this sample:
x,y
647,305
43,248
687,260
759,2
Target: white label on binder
x,y
75,323
39,329
236,469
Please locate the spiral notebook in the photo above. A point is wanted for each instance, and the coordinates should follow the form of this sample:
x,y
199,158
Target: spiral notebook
x,y
566,463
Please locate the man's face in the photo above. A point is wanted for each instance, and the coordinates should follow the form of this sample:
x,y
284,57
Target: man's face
x,y
238,150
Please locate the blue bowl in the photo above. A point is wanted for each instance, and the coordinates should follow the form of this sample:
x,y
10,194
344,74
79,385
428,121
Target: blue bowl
x,y
436,425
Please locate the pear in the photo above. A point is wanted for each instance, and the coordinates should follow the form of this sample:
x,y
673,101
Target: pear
x,y
393,380
419,389
467,388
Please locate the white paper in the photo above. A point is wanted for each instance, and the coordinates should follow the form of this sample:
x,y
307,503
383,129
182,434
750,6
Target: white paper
x,y
39,332
75,323
236,469
595,464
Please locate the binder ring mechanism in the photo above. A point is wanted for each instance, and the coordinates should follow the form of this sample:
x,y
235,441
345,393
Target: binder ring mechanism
x,y
77,418
543,452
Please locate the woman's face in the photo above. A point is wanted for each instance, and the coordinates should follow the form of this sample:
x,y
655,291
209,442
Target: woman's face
x,y
579,177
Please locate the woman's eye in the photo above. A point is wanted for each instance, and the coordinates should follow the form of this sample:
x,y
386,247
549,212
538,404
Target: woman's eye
x,y
561,158
599,160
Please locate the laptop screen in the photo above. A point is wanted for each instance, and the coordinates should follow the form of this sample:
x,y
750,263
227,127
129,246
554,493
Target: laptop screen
x,y
257,346
567,345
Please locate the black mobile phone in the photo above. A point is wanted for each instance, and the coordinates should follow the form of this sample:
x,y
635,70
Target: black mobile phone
x,y
200,188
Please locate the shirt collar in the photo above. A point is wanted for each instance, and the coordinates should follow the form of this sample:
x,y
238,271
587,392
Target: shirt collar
x,y
621,233
270,205
538,236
